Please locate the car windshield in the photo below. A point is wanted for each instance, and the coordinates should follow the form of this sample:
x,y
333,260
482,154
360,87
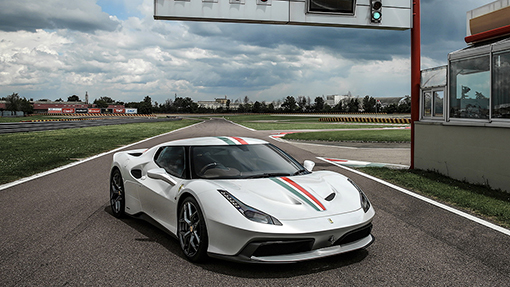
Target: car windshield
x,y
242,161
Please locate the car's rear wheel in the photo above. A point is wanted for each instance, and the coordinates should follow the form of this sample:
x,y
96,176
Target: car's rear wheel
x,y
192,231
117,195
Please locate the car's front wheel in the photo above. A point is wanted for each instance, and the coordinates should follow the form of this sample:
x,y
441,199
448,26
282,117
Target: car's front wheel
x,y
117,195
192,231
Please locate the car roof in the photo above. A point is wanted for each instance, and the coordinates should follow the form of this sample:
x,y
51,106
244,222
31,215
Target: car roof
x,y
217,140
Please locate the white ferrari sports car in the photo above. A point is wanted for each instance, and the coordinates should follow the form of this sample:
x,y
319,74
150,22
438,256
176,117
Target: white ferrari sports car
x,y
241,199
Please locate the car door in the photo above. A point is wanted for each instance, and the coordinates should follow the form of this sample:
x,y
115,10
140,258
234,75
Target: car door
x,y
158,194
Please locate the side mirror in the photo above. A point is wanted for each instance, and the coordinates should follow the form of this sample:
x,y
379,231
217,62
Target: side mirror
x,y
309,165
160,173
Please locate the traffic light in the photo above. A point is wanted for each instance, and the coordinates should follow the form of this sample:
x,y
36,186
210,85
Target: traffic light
x,y
376,10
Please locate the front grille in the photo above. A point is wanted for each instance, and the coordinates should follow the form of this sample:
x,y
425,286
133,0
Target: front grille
x,y
355,235
272,248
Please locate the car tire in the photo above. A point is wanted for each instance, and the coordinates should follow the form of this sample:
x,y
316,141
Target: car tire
x,y
117,195
191,230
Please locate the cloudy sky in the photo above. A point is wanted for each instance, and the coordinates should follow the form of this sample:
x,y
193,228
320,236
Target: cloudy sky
x,y
57,48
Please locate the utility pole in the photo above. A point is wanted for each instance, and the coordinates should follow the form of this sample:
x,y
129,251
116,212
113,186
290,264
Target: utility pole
x,y
415,72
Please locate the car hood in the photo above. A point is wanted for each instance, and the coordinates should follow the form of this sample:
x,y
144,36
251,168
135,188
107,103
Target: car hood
x,y
318,194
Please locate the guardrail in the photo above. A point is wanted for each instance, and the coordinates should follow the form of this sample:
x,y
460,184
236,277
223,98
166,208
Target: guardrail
x,y
44,125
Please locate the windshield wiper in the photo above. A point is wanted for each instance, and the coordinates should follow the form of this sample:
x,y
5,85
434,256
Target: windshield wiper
x,y
301,171
268,174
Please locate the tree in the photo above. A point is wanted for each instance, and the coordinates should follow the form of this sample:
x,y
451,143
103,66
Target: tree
x,y
353,105
270,108
103,102
185,105
16,103
390,109
167,107
465,90
26,107
145,106
13,103
338,108
73,98
404,105
302,103
289,105
319,104
369,104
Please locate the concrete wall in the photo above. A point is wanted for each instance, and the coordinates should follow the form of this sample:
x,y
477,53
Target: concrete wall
x,y
477,154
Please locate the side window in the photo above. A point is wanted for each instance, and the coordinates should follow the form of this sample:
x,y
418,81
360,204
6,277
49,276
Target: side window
x,y
470,88
172,159
501,86
427,104
432,104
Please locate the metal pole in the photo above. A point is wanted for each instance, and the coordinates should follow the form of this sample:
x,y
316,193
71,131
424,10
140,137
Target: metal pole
x,y
415,72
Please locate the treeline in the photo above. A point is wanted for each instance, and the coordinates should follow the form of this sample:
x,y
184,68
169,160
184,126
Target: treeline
x,y
288,105
15,103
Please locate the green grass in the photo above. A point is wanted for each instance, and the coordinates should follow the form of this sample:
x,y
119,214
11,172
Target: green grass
x,y
400,135
493,205
301,122
25,154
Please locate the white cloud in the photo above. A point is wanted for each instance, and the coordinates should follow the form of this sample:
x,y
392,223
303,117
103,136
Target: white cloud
x,y
70,47
30,15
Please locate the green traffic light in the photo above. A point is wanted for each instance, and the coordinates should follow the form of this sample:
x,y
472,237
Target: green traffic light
x,y
376,15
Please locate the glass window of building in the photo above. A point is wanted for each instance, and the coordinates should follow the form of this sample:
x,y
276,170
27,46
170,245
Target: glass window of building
x,y
427,104
433,84
470,88
438,100
501,86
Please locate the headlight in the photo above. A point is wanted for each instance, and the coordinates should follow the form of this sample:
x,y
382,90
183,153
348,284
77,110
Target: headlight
x,y
248,211
365,204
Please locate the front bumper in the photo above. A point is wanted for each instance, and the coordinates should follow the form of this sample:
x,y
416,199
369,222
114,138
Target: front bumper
x,y
294,245
290,251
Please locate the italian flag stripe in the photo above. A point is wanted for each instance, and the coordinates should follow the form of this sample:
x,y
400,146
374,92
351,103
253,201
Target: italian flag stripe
x,y
240,140
227,140
233,140
300,192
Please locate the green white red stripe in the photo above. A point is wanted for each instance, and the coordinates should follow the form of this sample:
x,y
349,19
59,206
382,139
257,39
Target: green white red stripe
x,y
300,192
233,140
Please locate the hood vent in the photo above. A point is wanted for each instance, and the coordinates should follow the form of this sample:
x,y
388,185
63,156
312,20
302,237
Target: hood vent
x,y
330,197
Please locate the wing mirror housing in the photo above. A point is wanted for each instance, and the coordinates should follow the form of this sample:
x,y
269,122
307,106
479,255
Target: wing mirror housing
x,y
160,173
309,165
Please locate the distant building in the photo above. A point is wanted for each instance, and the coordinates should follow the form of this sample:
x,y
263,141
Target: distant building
x,y
333,100
44,106
218,103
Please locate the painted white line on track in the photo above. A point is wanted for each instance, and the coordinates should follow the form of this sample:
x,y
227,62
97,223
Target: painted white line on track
x,y
357,163
428,200
239,125
278,137
35,176
346,147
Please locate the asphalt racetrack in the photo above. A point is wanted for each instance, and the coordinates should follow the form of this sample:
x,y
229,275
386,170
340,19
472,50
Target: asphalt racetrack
x,y
57,230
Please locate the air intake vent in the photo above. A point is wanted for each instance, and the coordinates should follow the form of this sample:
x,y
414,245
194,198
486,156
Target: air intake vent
x,y
330,197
